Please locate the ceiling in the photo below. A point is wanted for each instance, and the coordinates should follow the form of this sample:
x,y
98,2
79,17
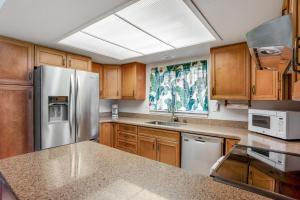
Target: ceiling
x,y
45,22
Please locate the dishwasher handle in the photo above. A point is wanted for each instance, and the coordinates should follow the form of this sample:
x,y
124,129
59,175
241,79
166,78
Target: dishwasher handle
x,y
200,140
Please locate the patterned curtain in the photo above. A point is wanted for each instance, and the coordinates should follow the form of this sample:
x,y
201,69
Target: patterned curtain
x,y
187,82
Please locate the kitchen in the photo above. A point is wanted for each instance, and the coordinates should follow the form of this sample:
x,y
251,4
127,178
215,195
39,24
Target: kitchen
x,y
149,99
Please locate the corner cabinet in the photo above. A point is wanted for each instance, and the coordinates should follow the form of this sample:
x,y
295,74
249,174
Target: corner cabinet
x,y
111,82
134,81
230,72
16,62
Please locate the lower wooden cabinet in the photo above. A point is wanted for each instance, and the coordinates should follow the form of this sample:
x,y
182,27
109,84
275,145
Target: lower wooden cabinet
x,y
260,179
147,147
126,138
106,134
229,144
160,145
16,120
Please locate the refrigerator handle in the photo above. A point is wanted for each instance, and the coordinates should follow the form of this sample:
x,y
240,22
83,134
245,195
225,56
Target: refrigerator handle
x,y
70,105
77,107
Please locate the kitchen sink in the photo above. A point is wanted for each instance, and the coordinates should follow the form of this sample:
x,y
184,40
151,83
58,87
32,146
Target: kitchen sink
x,y
162,123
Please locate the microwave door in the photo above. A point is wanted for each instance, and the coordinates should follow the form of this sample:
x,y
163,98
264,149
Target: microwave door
x,y
57,106
87,105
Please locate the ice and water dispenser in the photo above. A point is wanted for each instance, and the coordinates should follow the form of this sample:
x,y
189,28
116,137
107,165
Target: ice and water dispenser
x,y
58,107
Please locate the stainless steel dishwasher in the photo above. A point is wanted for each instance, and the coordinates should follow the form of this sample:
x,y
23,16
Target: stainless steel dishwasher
x,y
199,153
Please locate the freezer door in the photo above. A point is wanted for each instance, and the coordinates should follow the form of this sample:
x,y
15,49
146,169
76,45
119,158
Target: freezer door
x,y
87,105
57,106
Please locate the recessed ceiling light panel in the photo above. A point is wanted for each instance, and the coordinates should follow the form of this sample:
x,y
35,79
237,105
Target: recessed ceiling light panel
x,y
86,42
145,27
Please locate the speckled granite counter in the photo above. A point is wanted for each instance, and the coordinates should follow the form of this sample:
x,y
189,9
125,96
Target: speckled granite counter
x,y
246,137
88,170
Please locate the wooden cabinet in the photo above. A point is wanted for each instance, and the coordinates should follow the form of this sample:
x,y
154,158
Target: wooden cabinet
x,y
160,145
46,56
16,62
230,73
106,134
229,144
147,147
260,179
111,82
236,170
98,68
79,62
16,120
126,138
264,84
134,81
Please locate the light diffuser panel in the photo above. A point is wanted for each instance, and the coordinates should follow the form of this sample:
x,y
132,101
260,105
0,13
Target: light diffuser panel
x,y
118,31
169,20
86,42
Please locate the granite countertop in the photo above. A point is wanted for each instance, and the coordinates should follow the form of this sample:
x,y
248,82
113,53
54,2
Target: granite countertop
x,y
246,137
88,170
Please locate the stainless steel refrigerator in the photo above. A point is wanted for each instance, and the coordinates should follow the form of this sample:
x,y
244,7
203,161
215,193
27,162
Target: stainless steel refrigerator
x,y
66,106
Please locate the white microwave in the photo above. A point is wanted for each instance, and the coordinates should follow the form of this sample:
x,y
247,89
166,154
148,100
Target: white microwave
x,y
279,124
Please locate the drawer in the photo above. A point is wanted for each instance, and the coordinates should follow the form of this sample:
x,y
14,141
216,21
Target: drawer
x,y
159,133
127,136
127,128
130,147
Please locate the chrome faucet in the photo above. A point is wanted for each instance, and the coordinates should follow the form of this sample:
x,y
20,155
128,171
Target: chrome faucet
x,y
174,118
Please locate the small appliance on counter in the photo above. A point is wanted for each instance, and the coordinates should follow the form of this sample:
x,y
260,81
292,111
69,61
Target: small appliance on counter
x,y
270,173
115,111
280,124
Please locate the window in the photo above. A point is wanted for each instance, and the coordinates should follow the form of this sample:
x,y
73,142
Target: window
x,y
183,85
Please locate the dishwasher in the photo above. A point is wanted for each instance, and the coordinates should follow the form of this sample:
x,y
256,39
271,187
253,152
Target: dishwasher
x,y
199,152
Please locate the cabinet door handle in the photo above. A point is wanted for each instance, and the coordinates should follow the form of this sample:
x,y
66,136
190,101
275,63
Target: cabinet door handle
x,y
253,89
63,62
213,91
30,75
70,63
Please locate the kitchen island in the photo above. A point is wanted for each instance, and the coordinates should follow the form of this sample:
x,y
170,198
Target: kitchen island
x,y
88,170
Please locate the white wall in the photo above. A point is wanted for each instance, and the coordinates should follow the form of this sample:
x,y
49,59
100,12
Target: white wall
x,y
105,105
223,113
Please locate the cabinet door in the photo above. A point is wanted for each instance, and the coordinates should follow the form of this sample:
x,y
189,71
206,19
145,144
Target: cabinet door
x,y
128,81
134,81
168,152
264,84
229,144
111,82
79,62
16,62
260,179
16,120
107,134
147,147
230,73
46,56
97,68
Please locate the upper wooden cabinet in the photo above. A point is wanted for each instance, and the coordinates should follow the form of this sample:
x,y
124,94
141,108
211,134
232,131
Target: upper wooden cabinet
x,y
16,120
134,81
79,62
111,82
264,84
230,73
98,68
46,56
16,62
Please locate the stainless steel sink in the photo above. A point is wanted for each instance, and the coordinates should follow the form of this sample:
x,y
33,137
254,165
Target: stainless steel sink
x,y
162,123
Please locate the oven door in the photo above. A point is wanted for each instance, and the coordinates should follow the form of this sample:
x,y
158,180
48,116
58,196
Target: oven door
x,y
261,123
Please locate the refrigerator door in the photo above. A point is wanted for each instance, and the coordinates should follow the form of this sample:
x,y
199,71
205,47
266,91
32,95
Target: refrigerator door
x,y
87,105
57,106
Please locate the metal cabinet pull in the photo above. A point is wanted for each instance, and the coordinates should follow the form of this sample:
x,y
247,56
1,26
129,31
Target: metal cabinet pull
x,y
30,75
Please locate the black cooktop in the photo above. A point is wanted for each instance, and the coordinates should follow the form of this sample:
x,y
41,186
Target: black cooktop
x,y
270,173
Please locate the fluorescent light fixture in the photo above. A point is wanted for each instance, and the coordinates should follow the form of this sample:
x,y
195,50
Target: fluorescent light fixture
x,y
86,42
145,27
170,20
120,32
2,3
